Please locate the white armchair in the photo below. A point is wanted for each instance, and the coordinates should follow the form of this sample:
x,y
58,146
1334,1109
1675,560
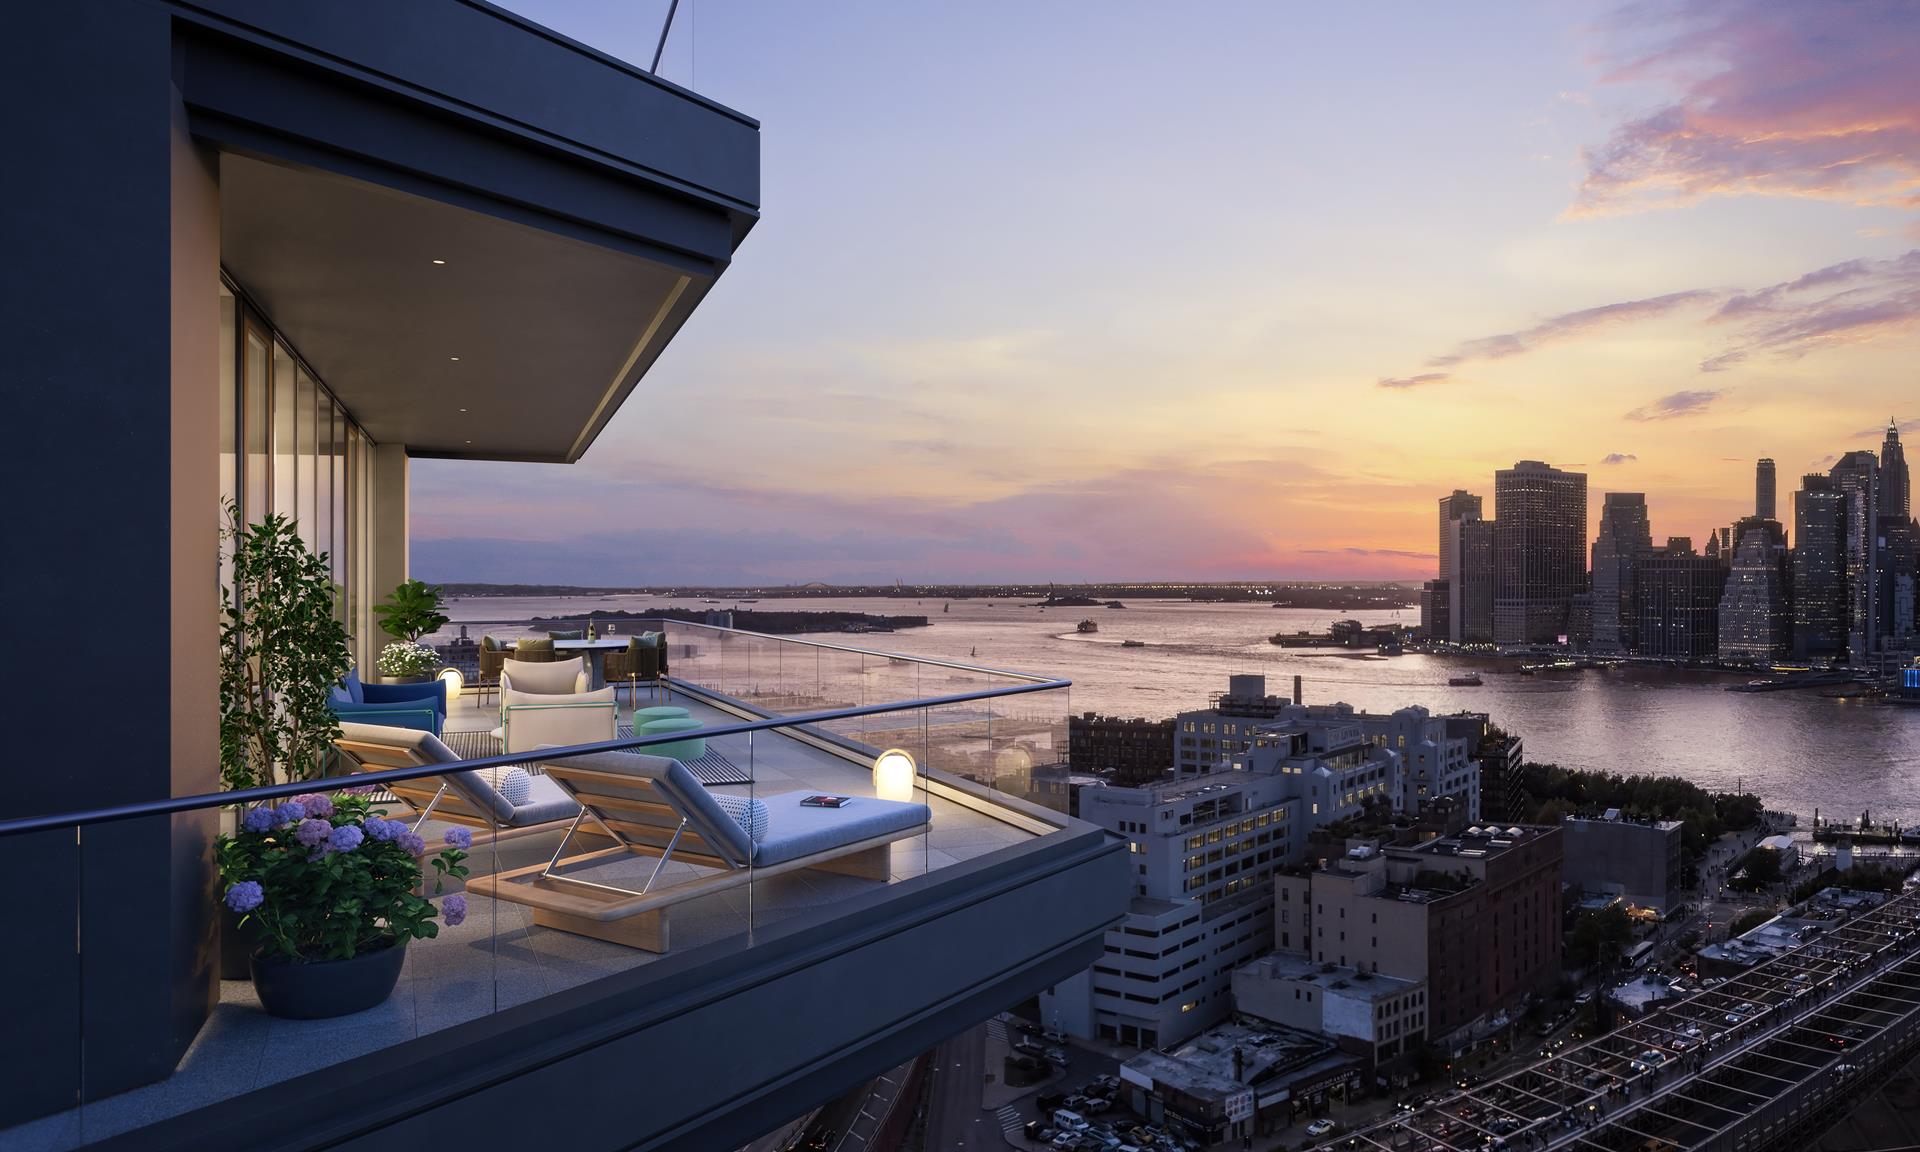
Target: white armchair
x,y
553,678
530,721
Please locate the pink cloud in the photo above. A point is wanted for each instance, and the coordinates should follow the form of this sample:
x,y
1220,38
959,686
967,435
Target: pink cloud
x,y
1775,98
1844,303
1405,382
1568,325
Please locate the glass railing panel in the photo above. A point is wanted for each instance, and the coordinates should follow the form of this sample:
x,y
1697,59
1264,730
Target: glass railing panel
x,y
491,953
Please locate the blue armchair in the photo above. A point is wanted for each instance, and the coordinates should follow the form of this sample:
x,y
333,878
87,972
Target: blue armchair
x,y
422,707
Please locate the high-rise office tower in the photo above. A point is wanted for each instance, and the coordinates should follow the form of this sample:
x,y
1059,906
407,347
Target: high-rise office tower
x,y
1894,479
1894,565
1676,602
1763,489
1624,535
1857,476
1472,606
1819,569
1756,612
1456,509
1539,551
1461,505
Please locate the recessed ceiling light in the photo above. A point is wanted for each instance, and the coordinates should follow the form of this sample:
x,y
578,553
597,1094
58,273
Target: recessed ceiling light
x,y
469,441
439,261
453,357
463,409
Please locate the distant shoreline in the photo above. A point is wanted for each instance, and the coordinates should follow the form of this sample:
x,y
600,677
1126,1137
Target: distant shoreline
x,y
1340,596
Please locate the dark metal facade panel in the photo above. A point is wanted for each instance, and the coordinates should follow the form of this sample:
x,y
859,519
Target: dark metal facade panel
x,y
480,62
712,1047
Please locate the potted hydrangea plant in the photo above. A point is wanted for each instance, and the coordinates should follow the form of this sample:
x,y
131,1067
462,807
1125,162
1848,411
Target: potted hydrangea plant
x,y
405,661
332,890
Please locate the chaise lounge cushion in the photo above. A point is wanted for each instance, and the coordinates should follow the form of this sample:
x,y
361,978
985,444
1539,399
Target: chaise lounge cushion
x,y
794,830
545,799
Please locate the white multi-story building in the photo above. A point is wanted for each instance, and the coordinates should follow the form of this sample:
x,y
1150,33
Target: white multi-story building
x,y
1435,752
1204,850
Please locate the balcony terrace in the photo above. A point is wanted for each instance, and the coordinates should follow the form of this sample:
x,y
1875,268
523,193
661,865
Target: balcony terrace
x,y
499,969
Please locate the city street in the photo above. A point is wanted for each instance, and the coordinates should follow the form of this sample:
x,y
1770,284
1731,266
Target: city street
x,y
956,1122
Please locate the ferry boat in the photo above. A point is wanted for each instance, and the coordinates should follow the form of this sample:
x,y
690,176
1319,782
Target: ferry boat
x,y
1465,680
1089,626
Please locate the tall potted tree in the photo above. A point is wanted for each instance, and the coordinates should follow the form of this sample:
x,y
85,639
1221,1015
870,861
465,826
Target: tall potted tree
x,y
410,612
282,648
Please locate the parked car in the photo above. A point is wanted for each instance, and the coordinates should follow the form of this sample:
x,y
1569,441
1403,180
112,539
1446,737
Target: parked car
x,y
1057,1057
1320,1127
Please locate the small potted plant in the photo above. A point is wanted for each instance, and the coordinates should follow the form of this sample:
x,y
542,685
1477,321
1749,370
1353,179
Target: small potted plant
x,y
332,891
411,611
405,662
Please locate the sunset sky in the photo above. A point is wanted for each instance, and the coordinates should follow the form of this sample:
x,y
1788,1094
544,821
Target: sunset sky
x,y
1080,291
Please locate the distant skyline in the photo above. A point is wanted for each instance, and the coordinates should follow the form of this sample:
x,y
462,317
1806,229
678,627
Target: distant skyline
x,y
1130,291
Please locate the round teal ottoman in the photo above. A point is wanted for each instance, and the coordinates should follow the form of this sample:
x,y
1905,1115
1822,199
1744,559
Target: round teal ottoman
x,y
682,750
658,712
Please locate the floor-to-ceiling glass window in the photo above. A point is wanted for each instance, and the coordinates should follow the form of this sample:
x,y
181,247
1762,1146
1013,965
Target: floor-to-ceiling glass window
x,y
289,448
229,413
286,436
256,394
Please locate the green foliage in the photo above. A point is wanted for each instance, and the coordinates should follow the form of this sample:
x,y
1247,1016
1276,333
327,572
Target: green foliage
x,y
1761,868
412,611
282,648
1749,920
1599,938
1707,815
321,904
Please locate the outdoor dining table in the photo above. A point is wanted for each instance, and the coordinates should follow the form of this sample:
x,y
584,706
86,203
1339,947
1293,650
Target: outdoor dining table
x,y
594,650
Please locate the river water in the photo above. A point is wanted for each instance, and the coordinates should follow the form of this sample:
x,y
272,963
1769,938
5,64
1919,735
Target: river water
x,y
1798,750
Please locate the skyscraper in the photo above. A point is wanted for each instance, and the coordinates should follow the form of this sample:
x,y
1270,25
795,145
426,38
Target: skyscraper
x,y
1763,489
1894,537
1819,569
1857,476
1894,480
1539,550
1756,614
1456,509
1677,602
1472,613
1458,506
1624,535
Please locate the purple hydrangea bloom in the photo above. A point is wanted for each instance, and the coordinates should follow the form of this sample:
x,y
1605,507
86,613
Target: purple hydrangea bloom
x,y
292,812
345,838
316,804
245,896
362,789
313,833
412,843
460,838
454,909
383,830
260,820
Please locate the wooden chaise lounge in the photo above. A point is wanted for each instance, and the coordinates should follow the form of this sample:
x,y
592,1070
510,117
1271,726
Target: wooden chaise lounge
x,y
654,807
457,797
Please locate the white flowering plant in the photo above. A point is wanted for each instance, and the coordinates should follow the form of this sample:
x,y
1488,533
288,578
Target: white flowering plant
x,y
406,658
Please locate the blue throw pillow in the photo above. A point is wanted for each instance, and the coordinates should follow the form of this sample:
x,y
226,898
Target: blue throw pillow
x,y
348,691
